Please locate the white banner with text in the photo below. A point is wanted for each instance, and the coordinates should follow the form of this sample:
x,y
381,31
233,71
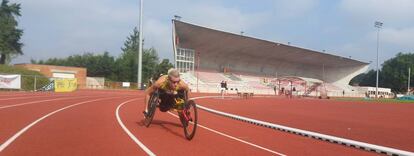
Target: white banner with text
x,y
10,81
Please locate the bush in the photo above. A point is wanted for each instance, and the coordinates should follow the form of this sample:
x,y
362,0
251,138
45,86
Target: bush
x,y
28,76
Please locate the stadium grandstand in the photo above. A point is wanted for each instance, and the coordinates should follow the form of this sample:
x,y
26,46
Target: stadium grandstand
x,y
206,57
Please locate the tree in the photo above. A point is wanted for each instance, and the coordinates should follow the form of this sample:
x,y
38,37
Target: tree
x,y
123,68
369,79
356,81
149,64
162,68
127,63
10,35
393,74
98,65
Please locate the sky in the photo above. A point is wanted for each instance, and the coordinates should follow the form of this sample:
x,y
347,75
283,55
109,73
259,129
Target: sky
x,y
59,28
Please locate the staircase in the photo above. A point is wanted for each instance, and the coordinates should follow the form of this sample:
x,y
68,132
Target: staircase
x,y
311,89
232,77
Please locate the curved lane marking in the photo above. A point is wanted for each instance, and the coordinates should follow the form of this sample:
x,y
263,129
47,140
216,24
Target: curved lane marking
x,y
27,97
15,136
135,139
234,138
40,101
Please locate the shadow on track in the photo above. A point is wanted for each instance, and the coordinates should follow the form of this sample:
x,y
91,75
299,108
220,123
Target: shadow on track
x,y
164,125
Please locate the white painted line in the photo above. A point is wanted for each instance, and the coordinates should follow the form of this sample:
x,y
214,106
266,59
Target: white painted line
x,y
27,97
15,136
33,102
234,138
332,139
135,139
205,97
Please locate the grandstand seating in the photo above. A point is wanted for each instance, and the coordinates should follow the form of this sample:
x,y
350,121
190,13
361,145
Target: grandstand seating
x,y
209,81
232,77
212,77
189,78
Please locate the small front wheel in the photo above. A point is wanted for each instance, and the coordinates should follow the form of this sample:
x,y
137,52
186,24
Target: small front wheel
x,y
188,119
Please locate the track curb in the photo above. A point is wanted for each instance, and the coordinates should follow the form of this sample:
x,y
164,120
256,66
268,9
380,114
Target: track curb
x,y
310,134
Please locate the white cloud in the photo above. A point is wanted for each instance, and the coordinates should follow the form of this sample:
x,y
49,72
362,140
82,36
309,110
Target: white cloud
x,y
385,10
220,17
286,9
158,35
65,27
392,41
399,37
397,34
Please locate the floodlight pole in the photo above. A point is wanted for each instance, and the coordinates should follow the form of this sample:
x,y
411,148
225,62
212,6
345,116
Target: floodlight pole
x,y
378,25
409,79
139,83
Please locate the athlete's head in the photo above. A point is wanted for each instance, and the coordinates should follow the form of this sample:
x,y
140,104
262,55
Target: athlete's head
x,y
174,75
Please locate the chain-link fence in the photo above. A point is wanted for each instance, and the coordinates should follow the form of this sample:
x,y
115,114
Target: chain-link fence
x,y
29,82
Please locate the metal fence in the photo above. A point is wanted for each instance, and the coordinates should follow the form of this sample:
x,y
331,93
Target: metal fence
x,y
30,82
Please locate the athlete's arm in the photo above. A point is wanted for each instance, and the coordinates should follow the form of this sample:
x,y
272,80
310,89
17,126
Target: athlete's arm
x,y
152,89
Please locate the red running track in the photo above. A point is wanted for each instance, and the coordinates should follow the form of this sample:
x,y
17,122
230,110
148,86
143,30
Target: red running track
x,y
385,124
79,127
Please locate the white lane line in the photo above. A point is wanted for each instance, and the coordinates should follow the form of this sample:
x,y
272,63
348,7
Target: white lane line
x,y
135,139
17,94
15,136
27,97
33,102
234,138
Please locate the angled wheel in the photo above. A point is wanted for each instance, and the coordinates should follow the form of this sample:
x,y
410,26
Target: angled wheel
x,y
188,119
152,106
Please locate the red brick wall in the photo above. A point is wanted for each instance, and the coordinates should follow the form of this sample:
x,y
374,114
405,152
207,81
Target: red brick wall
x,y
47,70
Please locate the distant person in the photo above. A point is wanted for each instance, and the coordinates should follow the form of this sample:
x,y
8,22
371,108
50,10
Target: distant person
x,y
225,86
288,93
343,93
275,89
222,87
293,91
282,90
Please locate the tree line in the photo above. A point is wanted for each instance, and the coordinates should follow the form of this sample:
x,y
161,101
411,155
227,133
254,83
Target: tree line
x,y
122,68
393,74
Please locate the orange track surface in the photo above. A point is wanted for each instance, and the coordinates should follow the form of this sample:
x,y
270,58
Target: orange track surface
x,y
385,124
92,129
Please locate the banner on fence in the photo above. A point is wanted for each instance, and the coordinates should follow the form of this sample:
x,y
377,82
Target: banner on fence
x,y
126,84
10,81
66,85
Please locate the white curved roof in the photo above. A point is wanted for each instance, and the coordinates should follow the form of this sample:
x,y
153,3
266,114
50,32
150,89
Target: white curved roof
x,y
214,43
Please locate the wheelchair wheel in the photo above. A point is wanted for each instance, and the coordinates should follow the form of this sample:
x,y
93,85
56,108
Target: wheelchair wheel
x,y
188,119
152,106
